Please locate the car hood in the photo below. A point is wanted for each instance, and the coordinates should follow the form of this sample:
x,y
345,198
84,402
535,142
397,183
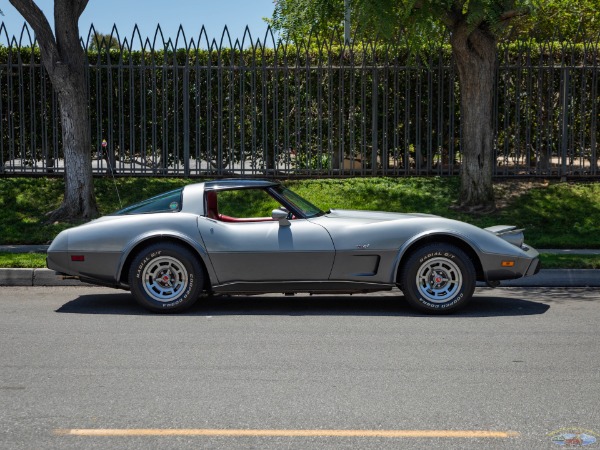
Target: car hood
x,y
415,224
372,216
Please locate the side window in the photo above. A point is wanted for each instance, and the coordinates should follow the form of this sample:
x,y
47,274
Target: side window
x,y
246,204
167,202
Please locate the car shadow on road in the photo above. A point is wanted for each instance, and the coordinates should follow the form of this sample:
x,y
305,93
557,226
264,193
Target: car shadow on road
x,y
486,305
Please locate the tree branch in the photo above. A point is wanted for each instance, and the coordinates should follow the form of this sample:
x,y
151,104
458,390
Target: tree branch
x,y
449,19
36,18
514,13
454,15
81,7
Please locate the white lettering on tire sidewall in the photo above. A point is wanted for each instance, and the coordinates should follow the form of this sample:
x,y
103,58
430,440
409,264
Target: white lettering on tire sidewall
x,y
446,305
184,296
141,265
450,303
188,290
430,255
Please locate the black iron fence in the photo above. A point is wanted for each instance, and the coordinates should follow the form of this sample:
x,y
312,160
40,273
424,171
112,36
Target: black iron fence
x,y
198,107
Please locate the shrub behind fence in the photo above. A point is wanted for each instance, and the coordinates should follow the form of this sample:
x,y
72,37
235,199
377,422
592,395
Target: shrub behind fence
x,y
201,108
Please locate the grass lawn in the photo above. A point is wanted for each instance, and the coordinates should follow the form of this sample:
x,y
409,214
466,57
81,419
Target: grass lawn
x,y
554,214
22,260
570,261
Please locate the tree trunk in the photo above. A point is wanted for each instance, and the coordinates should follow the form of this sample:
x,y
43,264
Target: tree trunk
x,y
474,51
79,202
63,59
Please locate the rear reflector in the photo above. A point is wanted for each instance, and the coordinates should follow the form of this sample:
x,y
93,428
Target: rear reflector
x,y
77,258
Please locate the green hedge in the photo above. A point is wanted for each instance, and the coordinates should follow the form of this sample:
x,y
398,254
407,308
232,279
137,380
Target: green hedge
x,y
312,105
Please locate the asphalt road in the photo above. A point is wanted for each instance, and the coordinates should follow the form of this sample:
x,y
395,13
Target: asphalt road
x,y
515,367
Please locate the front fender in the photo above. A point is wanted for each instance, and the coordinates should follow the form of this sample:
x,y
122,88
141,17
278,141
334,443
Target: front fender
x,y
487,250
429,236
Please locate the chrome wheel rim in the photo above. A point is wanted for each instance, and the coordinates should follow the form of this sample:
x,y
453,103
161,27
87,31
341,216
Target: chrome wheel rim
x,y
439,280
165,278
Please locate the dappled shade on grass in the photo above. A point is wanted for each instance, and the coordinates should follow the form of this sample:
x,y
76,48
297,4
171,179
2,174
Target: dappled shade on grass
x,y
554,215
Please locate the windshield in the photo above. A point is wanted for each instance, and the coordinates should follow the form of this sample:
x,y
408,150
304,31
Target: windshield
x,y
307,209
167,202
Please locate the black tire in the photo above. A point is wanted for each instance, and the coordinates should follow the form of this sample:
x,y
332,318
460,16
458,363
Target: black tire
x,y
166,278
438,278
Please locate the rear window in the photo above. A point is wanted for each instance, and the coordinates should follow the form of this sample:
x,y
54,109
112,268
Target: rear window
x,y
167,202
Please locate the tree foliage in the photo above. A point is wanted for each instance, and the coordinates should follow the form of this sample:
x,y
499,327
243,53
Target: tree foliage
x,y
297,18
419,20
574,20
98,41
423,21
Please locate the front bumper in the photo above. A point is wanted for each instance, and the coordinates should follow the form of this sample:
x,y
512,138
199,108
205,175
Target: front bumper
x,y
526,265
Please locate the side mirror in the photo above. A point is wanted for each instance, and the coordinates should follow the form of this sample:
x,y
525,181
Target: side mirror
x,y
282,216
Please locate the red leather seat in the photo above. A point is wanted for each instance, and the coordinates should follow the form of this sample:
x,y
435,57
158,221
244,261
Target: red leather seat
x,y
212,211
212,205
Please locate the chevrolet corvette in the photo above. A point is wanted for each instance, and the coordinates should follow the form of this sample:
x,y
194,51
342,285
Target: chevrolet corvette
x,y
206,239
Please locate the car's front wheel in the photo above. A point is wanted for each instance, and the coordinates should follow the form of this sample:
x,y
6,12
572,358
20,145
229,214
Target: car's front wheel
x,y
166,278
438,278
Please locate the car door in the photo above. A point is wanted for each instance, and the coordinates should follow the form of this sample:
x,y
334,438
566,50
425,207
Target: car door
x,y
266,251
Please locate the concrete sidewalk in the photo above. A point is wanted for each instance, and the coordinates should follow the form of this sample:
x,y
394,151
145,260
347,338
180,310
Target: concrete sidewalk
x,y
24,248
546,277
34,277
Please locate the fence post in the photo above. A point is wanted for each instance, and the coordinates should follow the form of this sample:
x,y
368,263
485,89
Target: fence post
x,y
186,117
564,121
374,125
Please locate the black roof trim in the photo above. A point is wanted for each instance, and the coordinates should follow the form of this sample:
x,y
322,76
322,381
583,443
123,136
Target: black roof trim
x,y
237,184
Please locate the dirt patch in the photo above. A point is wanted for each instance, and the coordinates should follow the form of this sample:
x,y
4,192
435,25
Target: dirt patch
x,y
507,191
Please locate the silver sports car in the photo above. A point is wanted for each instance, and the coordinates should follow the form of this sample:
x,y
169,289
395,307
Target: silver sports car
x,y
205,238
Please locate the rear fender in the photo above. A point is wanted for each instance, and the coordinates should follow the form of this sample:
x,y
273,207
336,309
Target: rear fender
x,y
161,236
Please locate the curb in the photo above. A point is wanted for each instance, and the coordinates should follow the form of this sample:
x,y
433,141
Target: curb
x,y
35,277
557,278
546,278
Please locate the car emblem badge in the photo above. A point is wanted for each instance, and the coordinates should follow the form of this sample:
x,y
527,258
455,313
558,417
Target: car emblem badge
x,y
363,246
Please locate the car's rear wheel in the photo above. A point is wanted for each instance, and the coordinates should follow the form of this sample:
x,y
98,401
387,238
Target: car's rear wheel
x,y
166,278
438,278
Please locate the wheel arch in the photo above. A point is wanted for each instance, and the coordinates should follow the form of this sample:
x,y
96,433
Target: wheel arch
x,y
444,238
151,240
